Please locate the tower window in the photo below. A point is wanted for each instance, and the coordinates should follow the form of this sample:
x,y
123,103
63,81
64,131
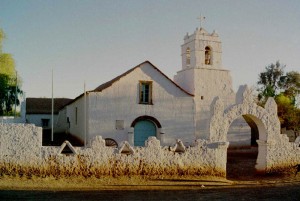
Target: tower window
x,y
208,56
145,92
188,56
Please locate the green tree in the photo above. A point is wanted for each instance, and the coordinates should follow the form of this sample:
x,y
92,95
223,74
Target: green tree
x,y
285,88
270,81
9,88
290,84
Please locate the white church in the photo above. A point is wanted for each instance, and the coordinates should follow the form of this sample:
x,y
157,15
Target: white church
x,y
144,102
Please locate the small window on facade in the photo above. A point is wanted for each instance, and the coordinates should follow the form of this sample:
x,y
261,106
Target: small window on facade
x,y
188,56
76,115
145,92
207,56
120,124
45,123
202,97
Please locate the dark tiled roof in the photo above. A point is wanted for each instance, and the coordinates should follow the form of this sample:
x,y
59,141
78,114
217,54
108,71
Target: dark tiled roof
x,y
44,105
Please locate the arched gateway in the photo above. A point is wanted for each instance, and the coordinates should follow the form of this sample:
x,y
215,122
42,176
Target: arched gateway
x,y
266,120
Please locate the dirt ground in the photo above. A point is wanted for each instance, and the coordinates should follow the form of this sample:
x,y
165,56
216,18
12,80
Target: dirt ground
x,y
241,169
241,164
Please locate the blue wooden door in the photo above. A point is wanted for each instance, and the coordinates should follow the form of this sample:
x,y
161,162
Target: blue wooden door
x,y
143,130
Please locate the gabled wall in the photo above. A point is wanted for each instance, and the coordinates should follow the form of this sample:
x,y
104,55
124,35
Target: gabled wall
x,y
172,107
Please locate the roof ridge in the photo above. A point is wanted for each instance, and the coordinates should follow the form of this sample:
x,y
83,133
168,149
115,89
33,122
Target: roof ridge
x,y
109,83
112,81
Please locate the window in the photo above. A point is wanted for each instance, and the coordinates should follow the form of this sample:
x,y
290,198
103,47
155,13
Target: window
x,y
145,92
207,55
45,123
188,56
76,117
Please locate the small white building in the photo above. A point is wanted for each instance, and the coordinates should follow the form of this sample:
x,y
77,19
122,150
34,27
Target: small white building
x,y
39,111
144,102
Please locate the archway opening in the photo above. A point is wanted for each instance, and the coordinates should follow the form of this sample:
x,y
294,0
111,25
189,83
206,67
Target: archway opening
x,y
242,152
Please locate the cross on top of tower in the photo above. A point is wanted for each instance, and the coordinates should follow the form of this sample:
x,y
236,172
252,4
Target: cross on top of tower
x,y
201,18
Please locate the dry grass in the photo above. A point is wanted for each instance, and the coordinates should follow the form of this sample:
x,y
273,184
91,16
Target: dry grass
x,y
109,183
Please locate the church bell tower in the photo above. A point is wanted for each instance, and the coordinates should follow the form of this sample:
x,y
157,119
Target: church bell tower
x,y
201,50
202,74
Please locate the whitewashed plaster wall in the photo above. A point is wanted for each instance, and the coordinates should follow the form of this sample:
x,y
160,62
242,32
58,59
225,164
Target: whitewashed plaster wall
x,y
207,84
275,152
239,135
20,143
36,119
172,107
206,81
197,43
21,152
9,120
77,126
61,124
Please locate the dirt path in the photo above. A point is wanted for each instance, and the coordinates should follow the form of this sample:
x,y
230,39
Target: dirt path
x,y
241,169
241,164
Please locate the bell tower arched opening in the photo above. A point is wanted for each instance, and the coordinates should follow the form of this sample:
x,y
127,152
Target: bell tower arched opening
x,y
208,56
188,57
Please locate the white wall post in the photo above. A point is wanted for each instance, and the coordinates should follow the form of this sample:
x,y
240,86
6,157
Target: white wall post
x,y
161,135
131,136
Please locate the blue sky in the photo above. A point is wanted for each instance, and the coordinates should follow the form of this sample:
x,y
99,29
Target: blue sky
x,y
96,40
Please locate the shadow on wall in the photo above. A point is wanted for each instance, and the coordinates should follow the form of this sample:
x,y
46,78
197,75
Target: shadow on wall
x,y
59,138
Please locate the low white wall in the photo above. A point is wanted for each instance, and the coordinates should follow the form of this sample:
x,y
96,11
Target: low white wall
x,y
9,120
20,144
282,154
21,151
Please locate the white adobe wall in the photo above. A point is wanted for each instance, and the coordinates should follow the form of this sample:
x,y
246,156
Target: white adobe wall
x,y
21,152
173,108
36,119
206,81
77,128
20,144
238,135
61,124
281,153
197,43
207,84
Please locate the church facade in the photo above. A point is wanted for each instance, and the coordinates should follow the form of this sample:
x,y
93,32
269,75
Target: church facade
x,y
144,102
